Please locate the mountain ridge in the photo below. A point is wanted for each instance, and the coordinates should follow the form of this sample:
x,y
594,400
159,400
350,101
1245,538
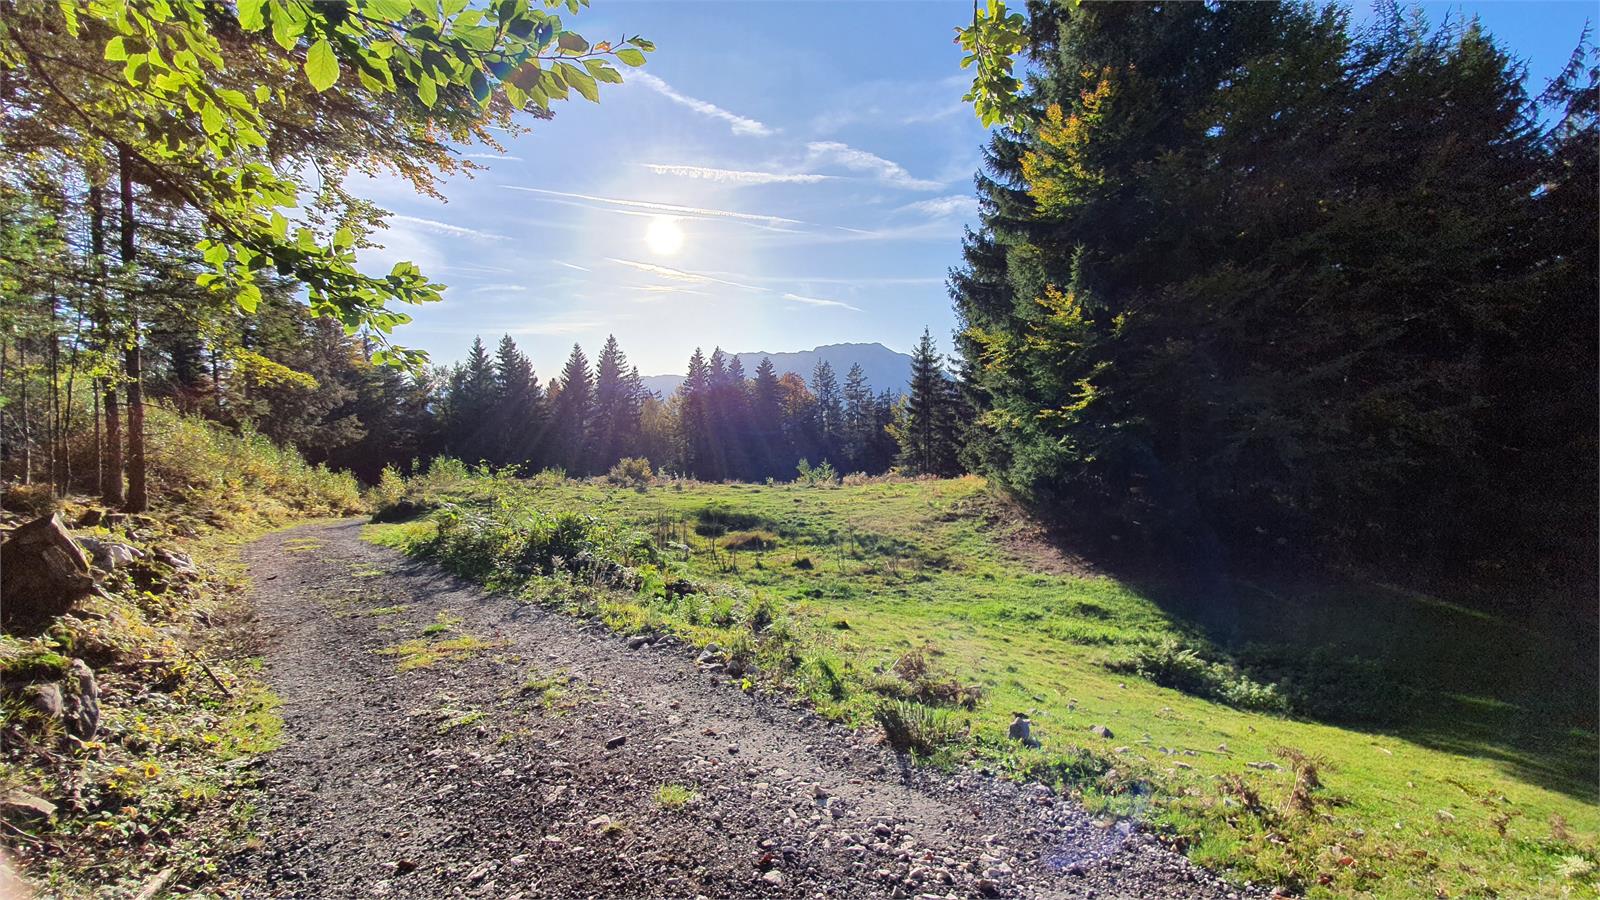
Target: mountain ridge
x,y
886,370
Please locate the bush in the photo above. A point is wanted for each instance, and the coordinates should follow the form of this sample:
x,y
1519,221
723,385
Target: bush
x,y
718,519
920,681
631,472
1170,664
824,474
37,499
911,727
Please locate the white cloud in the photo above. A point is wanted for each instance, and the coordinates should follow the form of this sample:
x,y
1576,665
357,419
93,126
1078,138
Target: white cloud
x,y
944,207
571,265
499,288
446,228
885,170
679,274
492,156
818,301
651,208
739,124
734,176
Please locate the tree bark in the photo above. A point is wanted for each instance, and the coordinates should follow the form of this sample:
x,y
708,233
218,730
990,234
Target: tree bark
x,y
138,498
106,388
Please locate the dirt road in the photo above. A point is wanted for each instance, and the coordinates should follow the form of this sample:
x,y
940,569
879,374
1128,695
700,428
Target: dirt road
x,y
549,758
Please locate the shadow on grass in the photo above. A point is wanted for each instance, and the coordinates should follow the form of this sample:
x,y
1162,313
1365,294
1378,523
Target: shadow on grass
x,y
1516,689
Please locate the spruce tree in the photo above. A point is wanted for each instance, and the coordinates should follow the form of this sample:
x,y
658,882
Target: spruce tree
x,y
926,427
571,412
772,450
519,408
829,420
614,430
859,419
470,402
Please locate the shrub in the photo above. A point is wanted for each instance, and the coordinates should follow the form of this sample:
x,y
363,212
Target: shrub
x,y
920,681
911,727
824,474
631,471
1170,664
718,519
37,499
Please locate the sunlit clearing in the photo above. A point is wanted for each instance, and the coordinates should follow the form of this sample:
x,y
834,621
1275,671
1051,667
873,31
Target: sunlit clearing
x,y
664,236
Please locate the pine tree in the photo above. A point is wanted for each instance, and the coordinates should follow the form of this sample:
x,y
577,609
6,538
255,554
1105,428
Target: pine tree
x,y
694,421
570,415
858,422
519,408
470,402
829,413
927,424
614,430
773,453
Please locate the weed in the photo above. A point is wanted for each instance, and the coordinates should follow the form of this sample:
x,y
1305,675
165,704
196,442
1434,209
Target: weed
x,y
420,653
674,796
454,719
914,728
442,623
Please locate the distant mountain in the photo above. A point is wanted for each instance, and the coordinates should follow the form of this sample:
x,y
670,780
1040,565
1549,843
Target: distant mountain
x,y
886,370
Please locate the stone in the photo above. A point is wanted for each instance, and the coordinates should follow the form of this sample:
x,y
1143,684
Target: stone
x,y
616,742
109,556
637,641
45,698
773,877
179,561
1101,731
22,806
987,887
81,707
43,574
1022,730
90,517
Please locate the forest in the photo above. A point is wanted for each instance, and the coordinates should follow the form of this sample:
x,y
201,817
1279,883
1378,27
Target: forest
x,y
1243,541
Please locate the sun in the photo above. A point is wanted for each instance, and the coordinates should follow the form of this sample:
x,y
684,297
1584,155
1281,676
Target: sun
x,y
664,236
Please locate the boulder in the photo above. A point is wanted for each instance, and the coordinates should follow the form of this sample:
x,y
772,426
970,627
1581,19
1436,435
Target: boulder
x,y
1101,731
180,562
108,556
91,517
21,806
1022,730
46,698
43,573
80,708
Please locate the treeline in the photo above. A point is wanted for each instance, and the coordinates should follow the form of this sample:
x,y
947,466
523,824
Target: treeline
x,y
1258,283
720,424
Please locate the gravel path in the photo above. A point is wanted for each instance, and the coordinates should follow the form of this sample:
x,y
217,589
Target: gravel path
x,y
456,779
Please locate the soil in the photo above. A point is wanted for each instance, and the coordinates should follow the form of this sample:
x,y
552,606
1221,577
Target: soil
x,y
458,779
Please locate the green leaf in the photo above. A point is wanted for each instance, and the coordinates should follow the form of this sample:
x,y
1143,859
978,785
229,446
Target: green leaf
x,y
211,118
580,81
427,91
388,10
631,57
263,94
117,48
249,296
321,65
252,14
572,42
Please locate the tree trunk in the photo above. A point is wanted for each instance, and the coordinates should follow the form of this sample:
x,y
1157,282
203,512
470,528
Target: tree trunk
x,y
138,499
26,432
105,387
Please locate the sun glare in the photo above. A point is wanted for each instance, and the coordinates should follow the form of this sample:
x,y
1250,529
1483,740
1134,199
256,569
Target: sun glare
x,y
664,236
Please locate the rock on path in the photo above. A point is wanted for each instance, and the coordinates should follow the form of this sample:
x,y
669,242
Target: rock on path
x,y
531,768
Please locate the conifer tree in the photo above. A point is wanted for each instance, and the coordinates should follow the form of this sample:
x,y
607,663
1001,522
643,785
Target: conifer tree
x,y
766,417
519,407
829,413
926,426
859,418
571,414
470,403
614,429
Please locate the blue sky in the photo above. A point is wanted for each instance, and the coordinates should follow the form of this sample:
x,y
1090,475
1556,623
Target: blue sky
x,y
781,175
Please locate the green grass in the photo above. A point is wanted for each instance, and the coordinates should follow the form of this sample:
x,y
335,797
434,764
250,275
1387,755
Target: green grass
x,y
1455,751
422,653
674,796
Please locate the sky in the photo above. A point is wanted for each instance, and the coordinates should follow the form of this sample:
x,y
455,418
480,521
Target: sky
x,y
781,175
